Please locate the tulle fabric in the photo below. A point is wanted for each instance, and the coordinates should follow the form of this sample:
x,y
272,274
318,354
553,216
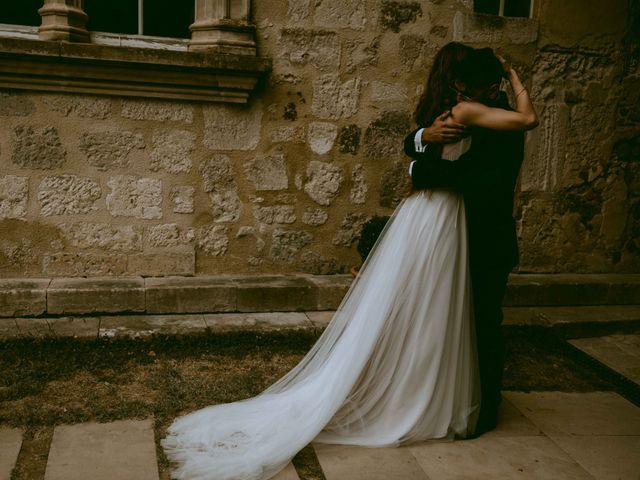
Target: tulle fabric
x,y
396,364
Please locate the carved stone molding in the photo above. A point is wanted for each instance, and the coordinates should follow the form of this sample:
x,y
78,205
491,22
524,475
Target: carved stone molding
x,y
63,20
126,71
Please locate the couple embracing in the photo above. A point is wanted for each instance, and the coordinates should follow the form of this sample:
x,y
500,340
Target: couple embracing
x,y
413,351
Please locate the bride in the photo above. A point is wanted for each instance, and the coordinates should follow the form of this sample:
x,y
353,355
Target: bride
x,y
397,363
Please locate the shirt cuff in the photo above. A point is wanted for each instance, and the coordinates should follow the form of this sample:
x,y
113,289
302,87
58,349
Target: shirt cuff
x,y
411,166
417,139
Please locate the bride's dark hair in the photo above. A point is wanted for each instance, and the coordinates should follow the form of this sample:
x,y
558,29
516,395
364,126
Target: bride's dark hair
x,y
438,97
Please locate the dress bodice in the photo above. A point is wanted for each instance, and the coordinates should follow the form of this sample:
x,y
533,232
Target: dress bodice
x,y
453,151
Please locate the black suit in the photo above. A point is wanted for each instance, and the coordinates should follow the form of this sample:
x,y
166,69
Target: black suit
x,y
486,175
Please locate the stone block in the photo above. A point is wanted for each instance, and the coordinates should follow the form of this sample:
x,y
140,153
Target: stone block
x,y
84,264
275,293
124,449
350,229
285,244
135,197
395,14
23,297
172,150
331,289
213,240
268,172
334,99
317,264
317,47
349,139
10,444
164,263
232,128
298,10
157,110
394,184
323,181
320,319
331,14
275,214
191,295
77,327
321,136
170,235
384,136
103,236
315,216
83,106
361,54
96,295
38,149
14,193
137,326
182,198
389,92
16,105
68,195
257,321
359,188
107,150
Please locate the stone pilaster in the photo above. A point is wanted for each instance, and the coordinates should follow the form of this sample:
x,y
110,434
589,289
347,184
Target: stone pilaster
x,y
63,20
223,26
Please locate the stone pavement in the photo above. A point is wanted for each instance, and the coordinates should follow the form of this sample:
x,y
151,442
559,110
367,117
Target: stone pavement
x,y
541,435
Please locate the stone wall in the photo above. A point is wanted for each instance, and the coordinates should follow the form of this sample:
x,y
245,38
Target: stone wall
x,y
96,185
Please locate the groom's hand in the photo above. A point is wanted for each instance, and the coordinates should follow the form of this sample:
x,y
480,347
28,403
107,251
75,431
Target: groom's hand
x,y
444,130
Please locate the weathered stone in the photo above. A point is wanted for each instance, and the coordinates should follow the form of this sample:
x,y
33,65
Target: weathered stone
x,y
323,181
14,193
245,231
411,50
333,99
268,172
84,264
349,139
360,55
331,14
157,110
394,14
38,149
317,47
259,321
232,128
226,206
350,229
394,185
172,150
170,235
141,326
491,29
190,295
103,236
388,92
315,263
359,186
68,195
182,198
217,174
81,295
331,289
135,197
166,263
106,150
84,106
315,216
15,105
213,240
22,297
285,244
287,134
275,214
321,137
274,293
383,137
298,10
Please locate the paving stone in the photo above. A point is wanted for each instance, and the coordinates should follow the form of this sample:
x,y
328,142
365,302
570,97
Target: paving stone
x,y
8,328
606,457
340,462
22,297
145,325
320,319
619,352
33,327
78,295
497,457
593,413
288,473
103,451
512,422
559,315
10,443
268,293
74,326
261,321
190,295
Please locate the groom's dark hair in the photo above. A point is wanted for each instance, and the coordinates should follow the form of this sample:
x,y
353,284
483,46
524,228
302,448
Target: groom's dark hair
x,y
480,69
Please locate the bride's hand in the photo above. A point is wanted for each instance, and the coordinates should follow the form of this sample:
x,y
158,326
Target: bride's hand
x,y
444,130
505,65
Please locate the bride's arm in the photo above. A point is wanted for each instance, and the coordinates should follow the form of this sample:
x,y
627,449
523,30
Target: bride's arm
x,y
477,114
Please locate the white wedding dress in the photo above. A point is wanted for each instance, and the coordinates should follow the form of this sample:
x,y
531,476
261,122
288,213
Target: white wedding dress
x,y
396,364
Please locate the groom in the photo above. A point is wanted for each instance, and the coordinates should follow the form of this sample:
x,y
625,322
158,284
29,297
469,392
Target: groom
x,y
486,175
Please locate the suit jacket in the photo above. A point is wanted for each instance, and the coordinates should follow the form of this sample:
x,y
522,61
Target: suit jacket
x,y
486,175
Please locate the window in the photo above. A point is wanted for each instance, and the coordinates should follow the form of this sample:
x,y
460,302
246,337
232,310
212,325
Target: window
x,y
141,17
22,12
506,8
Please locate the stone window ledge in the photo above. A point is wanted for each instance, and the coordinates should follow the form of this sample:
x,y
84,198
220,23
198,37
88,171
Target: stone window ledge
x,y
129,71
471,27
